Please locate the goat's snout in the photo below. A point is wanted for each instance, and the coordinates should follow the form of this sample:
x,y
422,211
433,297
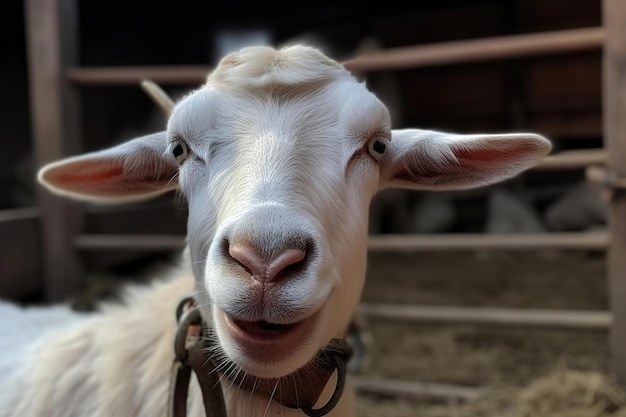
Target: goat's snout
x,y
271,267
269,243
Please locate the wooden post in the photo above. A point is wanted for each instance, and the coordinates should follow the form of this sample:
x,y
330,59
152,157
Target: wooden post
x,y
51,35
614,91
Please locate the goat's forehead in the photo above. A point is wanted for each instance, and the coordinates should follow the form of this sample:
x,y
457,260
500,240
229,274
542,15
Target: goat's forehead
x,y
343,104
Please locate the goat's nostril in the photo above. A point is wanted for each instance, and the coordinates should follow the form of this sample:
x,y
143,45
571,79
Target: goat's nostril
x,y
263,269
247,257
284,260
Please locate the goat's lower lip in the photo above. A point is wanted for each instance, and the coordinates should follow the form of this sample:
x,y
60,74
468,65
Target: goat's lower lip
x,y
266,342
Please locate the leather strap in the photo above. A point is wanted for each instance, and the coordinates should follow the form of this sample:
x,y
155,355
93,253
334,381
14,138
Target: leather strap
x,y
300,389
179,390
193,356
209,381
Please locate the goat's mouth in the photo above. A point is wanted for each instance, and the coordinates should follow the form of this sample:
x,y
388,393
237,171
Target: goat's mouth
x,y
263,329
267,342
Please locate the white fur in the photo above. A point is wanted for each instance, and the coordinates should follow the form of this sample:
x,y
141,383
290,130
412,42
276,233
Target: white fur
x,y
115,362
281,150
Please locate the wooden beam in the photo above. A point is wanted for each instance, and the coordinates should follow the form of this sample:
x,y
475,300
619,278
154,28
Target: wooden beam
x,y
614,94
489,316
129,242
603,177
383,243
446,53
164,75
574,159
413,389
474,50
467,241
51,34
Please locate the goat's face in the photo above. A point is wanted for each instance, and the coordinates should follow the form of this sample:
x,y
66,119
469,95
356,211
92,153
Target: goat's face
x,y
278,157
278,176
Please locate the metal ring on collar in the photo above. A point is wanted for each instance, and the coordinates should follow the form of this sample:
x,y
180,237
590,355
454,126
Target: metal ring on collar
x,y
189,318
340,365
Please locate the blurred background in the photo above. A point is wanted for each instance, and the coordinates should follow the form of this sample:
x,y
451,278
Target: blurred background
x,y
533,244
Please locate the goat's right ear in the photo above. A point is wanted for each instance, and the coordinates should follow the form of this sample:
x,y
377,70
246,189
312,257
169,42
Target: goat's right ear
x,y
135,170
430,160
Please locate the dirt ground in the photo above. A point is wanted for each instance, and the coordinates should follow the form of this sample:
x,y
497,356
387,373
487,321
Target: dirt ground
x,y
523,372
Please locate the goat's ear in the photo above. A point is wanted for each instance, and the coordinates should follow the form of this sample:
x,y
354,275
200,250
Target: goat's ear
x,y
135,170
429,160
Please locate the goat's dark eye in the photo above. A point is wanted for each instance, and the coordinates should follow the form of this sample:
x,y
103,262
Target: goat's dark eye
x,y
376,147
379,146
180,151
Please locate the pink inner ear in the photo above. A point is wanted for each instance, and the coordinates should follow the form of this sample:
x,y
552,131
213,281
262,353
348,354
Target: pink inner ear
x,y
109,179
497,152
471,161
95,176
485,154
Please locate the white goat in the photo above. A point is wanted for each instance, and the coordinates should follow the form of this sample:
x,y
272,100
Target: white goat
x,y
278,156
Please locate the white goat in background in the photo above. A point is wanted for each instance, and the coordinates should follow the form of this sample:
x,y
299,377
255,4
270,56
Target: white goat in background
x,y
278,156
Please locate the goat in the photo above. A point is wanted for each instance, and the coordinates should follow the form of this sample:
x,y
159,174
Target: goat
x,y
277,156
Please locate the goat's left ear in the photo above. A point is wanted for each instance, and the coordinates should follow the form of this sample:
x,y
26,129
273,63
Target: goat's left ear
x,y
135,170
429,160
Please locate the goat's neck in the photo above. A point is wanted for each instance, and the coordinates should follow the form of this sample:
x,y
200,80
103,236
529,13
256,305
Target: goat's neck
x,y
243,403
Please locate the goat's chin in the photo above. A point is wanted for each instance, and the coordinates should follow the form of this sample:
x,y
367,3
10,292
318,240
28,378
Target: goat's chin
x,y
265,350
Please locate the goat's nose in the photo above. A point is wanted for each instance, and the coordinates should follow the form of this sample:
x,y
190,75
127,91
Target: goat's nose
x,y
265,269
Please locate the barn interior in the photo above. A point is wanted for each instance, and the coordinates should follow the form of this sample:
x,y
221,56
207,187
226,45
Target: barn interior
x,y
498,301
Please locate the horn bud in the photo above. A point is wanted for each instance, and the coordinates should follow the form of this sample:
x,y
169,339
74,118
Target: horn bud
x,y
160,97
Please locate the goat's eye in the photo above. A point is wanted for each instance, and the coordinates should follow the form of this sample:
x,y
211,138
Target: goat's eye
x,y
376,147
180,151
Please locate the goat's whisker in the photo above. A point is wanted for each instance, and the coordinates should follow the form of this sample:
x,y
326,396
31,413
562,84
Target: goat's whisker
x,y
269,401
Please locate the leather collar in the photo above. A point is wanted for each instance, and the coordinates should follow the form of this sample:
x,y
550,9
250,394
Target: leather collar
x,y
300,389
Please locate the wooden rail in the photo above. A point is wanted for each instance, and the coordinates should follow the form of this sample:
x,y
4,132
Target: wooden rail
x,y
129,242
445,53
574,159
164,75
413,389
471,241
474,50
614,105
55,118
489,316
383,243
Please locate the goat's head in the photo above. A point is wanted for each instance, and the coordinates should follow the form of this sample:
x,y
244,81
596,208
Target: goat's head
x,y
278,157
